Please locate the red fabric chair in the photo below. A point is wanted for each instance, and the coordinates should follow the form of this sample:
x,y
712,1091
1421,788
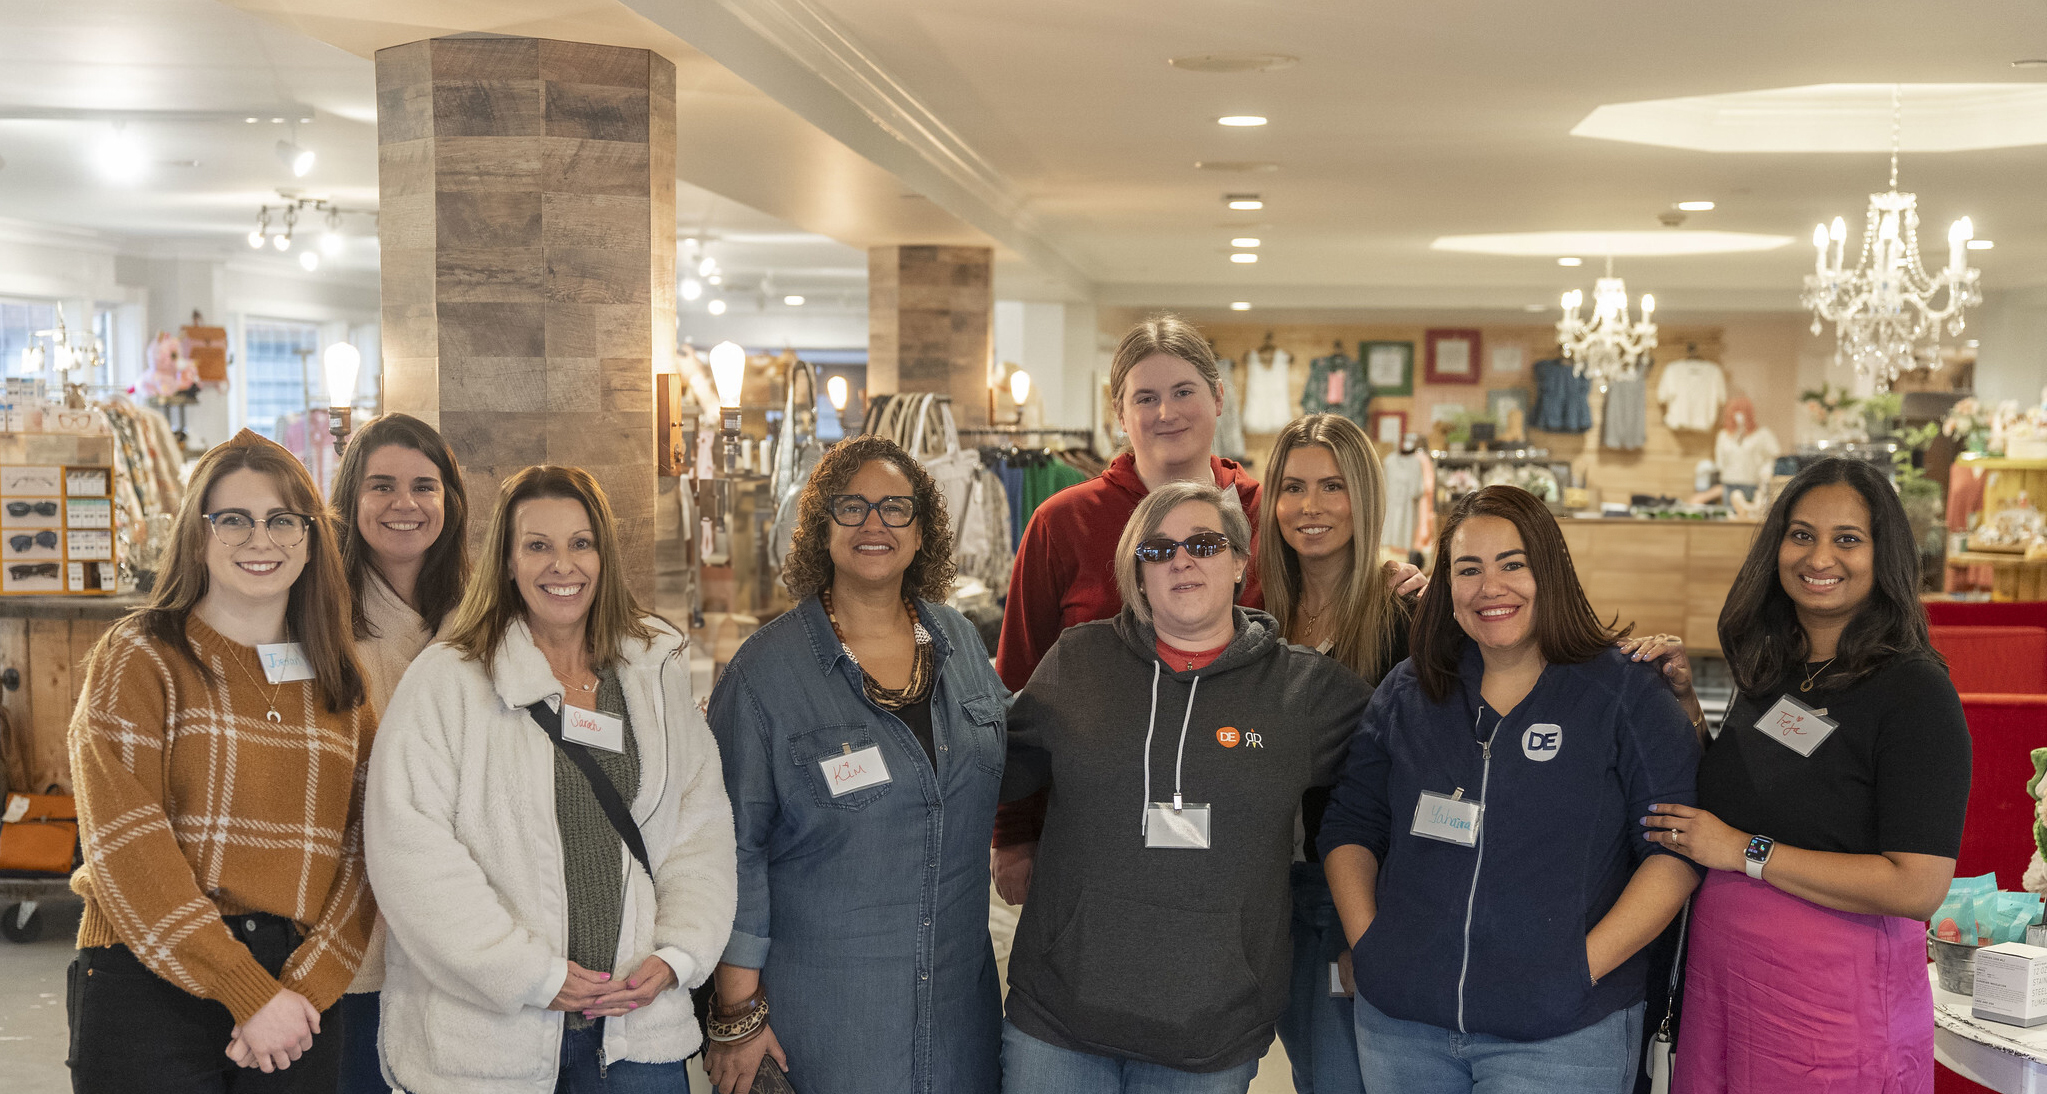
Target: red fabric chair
x,y
2016,613
2003,660
1997,832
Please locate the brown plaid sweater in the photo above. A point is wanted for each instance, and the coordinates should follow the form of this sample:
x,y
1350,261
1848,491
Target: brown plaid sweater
x,y
192,805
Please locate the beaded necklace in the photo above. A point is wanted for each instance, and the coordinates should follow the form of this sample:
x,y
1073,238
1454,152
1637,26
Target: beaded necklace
x,y
921,673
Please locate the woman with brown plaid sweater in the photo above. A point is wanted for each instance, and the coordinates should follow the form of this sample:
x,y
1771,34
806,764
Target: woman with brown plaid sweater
x,y
218,753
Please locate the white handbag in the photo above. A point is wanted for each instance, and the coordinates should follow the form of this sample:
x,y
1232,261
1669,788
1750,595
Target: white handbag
x,y
1662,1051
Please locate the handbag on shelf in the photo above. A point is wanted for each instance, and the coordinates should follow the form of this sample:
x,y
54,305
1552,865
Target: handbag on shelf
x,y
1663,1046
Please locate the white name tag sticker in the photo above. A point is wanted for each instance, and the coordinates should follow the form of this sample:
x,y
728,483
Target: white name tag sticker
x,y
1796,726
284,662
1336,988
1184,829
593,728
854,770
1446,817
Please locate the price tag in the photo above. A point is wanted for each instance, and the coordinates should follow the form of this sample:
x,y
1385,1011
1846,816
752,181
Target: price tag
x,y
1796,726
593,728
284,662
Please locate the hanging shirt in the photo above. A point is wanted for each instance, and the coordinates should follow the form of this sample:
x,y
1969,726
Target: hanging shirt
x,y
1627,413
1562,398
1336,385
1691,392
1267,409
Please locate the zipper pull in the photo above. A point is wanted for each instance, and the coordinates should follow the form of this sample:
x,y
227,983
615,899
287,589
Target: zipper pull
x,y
1485,750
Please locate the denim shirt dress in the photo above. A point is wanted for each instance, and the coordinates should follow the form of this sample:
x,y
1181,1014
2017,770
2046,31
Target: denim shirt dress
x,y
867,913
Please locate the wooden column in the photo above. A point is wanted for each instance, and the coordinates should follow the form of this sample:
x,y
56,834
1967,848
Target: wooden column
x,y
528,235
929,324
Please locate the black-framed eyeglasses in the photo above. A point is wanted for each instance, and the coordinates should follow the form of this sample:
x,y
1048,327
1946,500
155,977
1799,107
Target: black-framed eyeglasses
x,y
233,527
1199,545
24,508
21,571
850,510
24,541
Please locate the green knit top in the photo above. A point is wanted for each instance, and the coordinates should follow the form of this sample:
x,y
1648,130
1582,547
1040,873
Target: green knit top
x,y
593,855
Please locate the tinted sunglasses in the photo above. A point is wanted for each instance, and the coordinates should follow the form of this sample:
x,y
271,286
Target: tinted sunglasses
x,y
24,508
22,570
24,541
1199,545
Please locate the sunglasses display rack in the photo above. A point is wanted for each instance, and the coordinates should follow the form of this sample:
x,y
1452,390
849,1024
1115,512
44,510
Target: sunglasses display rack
x,y
56,517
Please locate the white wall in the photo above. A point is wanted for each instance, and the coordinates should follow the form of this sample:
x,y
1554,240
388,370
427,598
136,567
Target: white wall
x,y
776,327
2011,354
1055,343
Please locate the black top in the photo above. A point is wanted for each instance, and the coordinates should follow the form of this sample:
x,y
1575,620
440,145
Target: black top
x,y
917,716
1316,801
1893,777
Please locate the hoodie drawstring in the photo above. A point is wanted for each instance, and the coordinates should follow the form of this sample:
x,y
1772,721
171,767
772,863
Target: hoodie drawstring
x,y
1179,758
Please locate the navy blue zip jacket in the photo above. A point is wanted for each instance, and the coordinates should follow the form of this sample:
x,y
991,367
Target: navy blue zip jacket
x,y
1491,938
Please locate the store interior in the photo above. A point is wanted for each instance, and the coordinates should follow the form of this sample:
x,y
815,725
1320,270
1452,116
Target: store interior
x,y
935,219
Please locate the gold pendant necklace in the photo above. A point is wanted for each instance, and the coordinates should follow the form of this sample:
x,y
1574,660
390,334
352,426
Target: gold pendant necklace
x,y
271,712
1815,674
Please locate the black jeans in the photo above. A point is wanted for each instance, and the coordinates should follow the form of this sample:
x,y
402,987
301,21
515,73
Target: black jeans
x,y
132,1030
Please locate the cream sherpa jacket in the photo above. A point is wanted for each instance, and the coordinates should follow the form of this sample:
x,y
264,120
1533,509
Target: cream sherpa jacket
x,y
464,851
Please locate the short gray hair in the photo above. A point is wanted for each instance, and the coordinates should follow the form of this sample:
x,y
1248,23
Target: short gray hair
x,y
1151,512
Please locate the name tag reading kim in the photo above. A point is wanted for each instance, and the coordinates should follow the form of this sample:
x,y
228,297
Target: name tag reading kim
x,y
593,728
1796,726
1185,828
284,662
1450,818
854,770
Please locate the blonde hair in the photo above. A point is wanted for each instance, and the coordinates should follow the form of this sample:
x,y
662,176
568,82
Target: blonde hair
x,y
1172,336
493,602
1152,512
1364,612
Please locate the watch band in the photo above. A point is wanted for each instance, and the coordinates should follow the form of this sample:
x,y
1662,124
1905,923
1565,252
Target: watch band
x,y
1755,869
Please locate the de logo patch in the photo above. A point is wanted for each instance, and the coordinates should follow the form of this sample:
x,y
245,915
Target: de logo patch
x,y
1541,742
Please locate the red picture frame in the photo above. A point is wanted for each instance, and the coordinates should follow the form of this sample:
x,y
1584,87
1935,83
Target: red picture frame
x,y
1452,356
1382,419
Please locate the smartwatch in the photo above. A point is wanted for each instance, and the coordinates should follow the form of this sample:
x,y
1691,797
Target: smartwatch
x,y
1758,855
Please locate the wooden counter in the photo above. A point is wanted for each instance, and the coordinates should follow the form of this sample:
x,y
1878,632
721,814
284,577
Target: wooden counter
x,y
45,639
1668,576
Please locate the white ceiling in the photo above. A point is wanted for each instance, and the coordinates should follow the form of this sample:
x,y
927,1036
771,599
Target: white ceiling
x,y
1057,131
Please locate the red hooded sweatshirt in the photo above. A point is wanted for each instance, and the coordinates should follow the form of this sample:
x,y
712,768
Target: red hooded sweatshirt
x,y
1065,573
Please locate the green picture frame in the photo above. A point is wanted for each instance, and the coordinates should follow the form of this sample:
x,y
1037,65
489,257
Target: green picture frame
x,y
1381,359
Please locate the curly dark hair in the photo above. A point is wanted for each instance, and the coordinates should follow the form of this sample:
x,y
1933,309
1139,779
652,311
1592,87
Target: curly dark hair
x,y
808,569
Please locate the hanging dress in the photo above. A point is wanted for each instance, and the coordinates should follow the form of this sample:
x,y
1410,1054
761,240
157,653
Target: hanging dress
x,y
1267,405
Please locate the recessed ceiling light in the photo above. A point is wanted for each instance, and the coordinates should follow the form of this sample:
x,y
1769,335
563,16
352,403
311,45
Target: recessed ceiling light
x,y
1567,261
277,121
251,121
1696,206
1246,241
793,301
1981,244
715,307
1240,120
1236,165
1243,201
1243,258
1617,244
1240,305
1234,62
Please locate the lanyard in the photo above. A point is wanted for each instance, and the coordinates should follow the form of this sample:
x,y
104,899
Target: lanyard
x,y
1179,758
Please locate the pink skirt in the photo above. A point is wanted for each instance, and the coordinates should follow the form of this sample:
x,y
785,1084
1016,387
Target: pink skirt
x,y
1783,996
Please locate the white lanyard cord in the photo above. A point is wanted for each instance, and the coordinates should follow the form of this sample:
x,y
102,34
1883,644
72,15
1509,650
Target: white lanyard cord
x,y
1179,757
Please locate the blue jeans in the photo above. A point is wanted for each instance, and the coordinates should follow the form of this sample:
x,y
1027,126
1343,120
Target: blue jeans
x,y
1418,1058
580,1074
1317,1028
360,1071
1030,1066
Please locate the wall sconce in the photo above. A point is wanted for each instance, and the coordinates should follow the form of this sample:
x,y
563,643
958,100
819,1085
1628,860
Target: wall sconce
x,y
728,371
835,390
1020,388
342,363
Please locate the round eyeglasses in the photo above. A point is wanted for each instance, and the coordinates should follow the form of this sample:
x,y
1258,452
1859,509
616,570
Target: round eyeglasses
x,y
1199,545
233,527
850,510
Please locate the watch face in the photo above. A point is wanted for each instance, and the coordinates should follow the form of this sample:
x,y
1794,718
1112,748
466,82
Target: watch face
x,y
1759,848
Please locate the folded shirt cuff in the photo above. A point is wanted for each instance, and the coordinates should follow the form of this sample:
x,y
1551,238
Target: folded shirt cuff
x,y
549,986
746,951
683,965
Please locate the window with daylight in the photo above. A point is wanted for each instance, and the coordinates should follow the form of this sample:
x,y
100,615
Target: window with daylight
x,y
275,357
19,322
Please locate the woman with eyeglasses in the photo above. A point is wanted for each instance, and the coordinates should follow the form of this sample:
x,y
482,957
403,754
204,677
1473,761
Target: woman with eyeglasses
x,y
402,517
1178,739
862,736
217,753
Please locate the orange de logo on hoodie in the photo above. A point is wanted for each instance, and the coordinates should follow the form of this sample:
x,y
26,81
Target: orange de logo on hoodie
x,y
1227,736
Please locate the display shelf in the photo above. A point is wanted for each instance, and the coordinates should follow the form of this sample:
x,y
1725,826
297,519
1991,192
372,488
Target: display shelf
x,y
2013,576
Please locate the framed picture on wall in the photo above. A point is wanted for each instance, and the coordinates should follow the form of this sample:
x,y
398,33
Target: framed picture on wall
x,y
1452,356
1501,400
1389,425
1389,367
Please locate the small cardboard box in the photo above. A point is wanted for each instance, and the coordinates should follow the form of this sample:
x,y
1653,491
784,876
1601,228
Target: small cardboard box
x,y
2011,984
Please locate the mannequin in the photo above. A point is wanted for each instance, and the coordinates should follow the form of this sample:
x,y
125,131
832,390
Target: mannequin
x,y
1745,451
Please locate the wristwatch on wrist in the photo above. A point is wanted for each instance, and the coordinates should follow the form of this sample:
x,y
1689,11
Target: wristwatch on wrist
x,y
1758,855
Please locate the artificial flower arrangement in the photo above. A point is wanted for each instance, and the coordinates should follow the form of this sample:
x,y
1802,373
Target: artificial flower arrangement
x,y
1835,414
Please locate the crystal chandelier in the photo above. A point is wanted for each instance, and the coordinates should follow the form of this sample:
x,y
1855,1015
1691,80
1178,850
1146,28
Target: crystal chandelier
x,y
1883,310
1609,345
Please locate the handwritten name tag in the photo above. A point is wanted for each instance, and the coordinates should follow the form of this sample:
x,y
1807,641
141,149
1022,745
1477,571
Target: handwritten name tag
x,y
1796,726
284,662
593,728
1451,818
854,770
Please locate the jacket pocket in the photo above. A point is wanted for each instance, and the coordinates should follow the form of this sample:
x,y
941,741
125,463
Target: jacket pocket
x,y
463,1039
1162,982
986,720
808,751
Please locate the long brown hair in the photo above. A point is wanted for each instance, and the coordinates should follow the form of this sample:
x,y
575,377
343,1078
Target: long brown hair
x,y
809,570
1366,612
493,602
1566,629
444,573
317,614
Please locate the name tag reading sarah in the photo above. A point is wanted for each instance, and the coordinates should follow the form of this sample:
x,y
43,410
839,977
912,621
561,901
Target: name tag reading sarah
x,y
1447,817
854,770
1796,726
593,728
284,662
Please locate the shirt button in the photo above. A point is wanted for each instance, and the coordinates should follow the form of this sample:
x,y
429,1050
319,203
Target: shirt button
x,y
923,976
248,924
927,923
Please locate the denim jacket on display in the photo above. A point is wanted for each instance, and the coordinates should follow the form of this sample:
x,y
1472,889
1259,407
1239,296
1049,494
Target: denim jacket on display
x,y
867,912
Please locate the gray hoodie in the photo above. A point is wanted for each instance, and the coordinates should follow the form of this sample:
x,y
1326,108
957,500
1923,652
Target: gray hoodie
x,y
1173,957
